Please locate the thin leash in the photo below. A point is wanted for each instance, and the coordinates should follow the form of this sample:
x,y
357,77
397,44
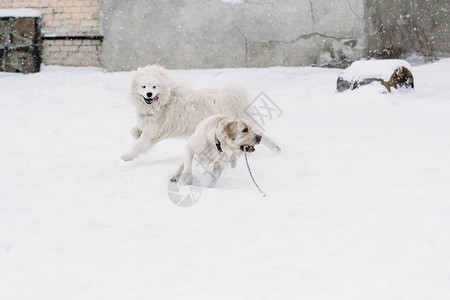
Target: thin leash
x,y
251,175
219,148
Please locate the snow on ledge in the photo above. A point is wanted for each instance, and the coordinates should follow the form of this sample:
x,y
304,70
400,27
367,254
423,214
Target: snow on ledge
x,y
232,2
364,69
19,12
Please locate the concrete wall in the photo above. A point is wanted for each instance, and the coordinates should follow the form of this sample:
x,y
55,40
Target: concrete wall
x,y
66,18
248,33
215,34
398,28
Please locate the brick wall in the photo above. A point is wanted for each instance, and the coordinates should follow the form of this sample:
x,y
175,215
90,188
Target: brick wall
x,y
71,30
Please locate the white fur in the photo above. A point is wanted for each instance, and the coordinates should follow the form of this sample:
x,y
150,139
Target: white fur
x,y
178,109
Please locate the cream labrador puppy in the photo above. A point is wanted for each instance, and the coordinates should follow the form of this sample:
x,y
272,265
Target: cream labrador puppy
x,y
216,140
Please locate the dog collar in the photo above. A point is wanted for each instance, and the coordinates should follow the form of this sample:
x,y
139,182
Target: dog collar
x,y
219,148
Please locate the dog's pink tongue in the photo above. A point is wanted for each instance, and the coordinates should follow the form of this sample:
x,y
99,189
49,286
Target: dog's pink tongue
x,y
156,98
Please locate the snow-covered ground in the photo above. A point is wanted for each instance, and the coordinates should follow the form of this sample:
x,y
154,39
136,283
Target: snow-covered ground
x,y
358,203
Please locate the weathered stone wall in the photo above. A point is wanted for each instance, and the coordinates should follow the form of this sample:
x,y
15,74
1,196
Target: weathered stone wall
x,y
20,44
66,24
399,28
214,33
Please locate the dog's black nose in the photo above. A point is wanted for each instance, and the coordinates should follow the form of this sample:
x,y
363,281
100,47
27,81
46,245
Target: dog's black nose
x,y
258,138
149,94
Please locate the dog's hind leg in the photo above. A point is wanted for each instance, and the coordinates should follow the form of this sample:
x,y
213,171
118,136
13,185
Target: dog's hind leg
x,y
269,143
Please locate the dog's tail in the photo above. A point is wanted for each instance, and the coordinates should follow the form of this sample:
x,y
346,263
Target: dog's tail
x,y
232,101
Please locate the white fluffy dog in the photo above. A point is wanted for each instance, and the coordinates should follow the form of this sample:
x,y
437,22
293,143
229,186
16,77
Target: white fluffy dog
x,y
167,109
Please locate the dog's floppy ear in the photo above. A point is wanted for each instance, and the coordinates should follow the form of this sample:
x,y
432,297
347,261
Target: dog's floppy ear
x,y
229,129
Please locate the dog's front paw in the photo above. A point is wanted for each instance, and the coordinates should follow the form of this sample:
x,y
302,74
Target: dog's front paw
x,y
233,160
127,157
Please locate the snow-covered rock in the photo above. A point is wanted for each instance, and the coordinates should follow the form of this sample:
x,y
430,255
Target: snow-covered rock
x,y
367,71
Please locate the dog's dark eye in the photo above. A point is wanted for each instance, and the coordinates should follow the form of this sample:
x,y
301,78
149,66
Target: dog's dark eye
x,y
245,129
154,87
143,86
